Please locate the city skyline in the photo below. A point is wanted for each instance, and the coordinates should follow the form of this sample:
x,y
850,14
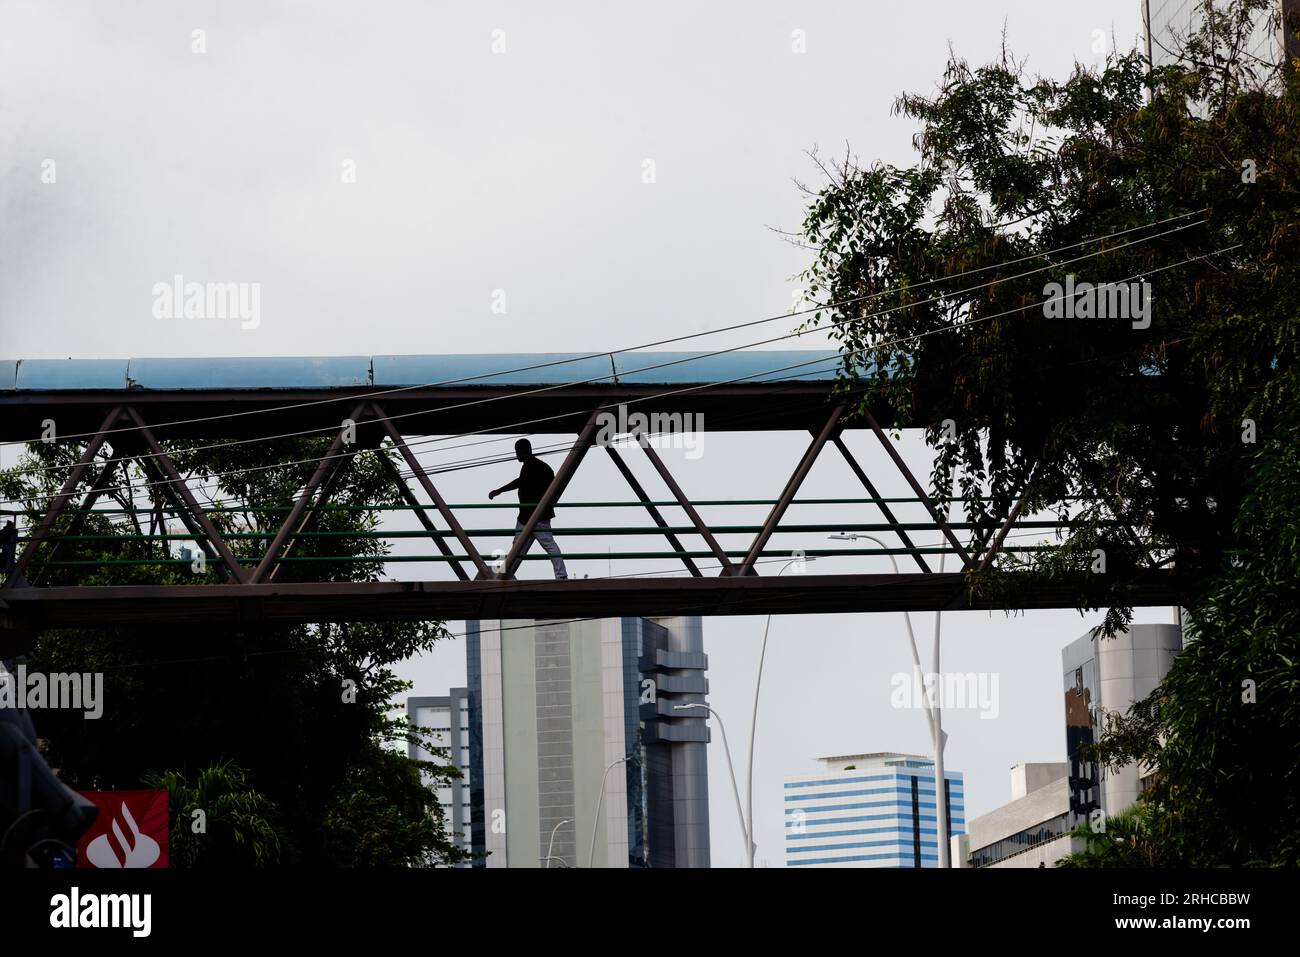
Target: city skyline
x,y
292,296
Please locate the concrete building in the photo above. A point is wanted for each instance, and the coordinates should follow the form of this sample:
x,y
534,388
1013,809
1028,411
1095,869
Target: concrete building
x,y
1049,800
1029,831
869,810
573,732
1102,675
446,719
675,781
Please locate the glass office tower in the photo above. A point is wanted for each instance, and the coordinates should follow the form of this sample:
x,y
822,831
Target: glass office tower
x,y
573,732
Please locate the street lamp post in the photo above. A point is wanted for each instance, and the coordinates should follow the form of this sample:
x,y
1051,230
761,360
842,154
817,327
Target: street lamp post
x,y
933,714
907,617
591,856
753,723
745,831
551,844
940,742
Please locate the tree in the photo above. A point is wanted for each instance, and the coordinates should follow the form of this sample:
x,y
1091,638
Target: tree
x,y
938,282
219,821
1126,841
1223,728
304,711
1166,435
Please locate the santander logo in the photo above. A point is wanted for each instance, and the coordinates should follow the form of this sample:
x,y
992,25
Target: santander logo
x,y
130,832
137,850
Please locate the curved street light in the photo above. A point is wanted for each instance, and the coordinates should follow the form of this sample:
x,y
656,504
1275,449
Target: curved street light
x,y
753,723
907,616
744,828
591,856
933,715
551,844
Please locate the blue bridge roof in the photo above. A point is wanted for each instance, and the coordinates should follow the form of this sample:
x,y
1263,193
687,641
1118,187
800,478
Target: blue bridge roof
x,y
485,369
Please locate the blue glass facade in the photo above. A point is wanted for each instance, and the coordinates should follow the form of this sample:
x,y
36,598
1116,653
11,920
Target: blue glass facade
x,y
900,828
637,818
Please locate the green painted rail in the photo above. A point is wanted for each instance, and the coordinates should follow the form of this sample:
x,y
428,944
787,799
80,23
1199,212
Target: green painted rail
x,y
568,556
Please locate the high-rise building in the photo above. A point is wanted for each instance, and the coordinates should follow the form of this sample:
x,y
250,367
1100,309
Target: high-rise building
x,y
574,733
1168,23
445,721
869,810
1104,675
1048,801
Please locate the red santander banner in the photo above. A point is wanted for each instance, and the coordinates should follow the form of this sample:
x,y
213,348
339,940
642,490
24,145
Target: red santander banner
x,y
131,830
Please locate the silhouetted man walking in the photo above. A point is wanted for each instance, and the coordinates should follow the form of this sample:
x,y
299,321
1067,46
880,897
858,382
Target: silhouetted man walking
x,y
535,477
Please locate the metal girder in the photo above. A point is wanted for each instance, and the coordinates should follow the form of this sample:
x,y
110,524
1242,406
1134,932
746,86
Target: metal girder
x,y
439,410
998,539
791,488
418,508
266,596
164,490
728,567
881,504
917,487
338,468
160,606
329,464
1109,501
65,495
328,487
97,488
192,508
655,514
431,490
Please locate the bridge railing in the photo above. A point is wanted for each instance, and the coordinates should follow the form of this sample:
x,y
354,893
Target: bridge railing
x,y
125,540
264,552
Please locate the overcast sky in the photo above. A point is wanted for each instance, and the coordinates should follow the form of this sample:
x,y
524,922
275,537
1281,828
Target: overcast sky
x,y
503,150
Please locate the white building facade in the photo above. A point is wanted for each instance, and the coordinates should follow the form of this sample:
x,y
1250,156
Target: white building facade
x,y
445,724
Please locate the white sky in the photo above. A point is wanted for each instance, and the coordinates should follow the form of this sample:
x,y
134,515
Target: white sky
x,y
518,171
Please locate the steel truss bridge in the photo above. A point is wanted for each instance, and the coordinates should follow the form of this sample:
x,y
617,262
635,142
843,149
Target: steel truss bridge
x,y
115,412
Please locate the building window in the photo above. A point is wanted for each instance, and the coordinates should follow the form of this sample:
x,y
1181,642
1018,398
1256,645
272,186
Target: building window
x,y
1020,842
